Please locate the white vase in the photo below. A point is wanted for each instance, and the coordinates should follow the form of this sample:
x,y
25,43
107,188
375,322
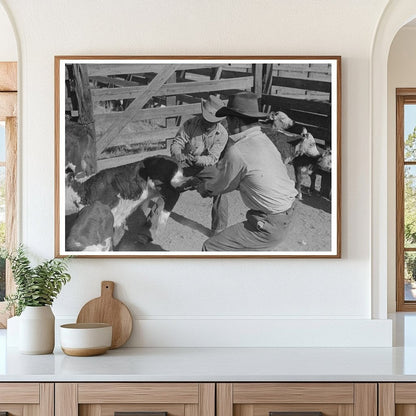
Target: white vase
x,y
12,334
37,330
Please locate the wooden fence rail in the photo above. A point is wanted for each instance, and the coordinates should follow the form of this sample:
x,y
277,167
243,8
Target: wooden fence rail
x,y
154,113
303,84
106,94
128,68
162,96
313,114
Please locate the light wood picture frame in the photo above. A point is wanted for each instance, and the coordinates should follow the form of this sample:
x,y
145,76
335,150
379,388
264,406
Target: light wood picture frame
x,y
116,118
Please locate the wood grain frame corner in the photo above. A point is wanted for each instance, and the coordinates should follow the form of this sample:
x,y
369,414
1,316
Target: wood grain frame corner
x,y
56,155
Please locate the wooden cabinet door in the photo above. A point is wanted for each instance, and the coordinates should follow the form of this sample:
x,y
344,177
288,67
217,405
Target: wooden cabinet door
x,y
26,399
297,399
397,399
143,399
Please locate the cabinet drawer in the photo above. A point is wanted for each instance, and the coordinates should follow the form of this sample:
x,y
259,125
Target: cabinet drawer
x,y
296,399
19,393
397,399
138,393
21,399
145,399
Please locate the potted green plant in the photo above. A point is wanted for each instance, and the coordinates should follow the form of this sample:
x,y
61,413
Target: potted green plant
x,y
36,289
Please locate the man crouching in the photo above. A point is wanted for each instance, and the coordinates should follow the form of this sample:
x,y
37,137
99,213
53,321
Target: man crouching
x,y
253,165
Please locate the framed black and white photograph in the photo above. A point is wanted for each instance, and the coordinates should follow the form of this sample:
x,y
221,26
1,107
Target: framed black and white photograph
x,y
198,156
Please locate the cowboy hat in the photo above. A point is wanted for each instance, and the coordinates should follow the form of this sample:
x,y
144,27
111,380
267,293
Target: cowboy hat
x,y
242,104
210,107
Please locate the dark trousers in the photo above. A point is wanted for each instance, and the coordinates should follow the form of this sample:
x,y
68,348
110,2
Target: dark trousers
x,y
219,210
260,232
219,213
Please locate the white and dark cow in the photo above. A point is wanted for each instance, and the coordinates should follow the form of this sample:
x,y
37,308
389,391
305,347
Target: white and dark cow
x,y
280,120
92,230
325,161
306,160
79,149
97,209
324,168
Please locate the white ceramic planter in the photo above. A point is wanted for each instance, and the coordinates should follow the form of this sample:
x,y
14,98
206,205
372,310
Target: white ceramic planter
x,y
37,330
12,334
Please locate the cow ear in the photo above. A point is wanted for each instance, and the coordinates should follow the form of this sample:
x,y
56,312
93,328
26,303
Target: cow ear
x,y
69,178
300,148
148,167
143,173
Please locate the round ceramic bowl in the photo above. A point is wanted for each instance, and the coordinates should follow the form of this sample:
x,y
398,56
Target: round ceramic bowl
x,y
83,340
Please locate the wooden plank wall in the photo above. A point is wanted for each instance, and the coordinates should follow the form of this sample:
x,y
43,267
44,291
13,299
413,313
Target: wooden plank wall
x,y
303,92
144,106
124,115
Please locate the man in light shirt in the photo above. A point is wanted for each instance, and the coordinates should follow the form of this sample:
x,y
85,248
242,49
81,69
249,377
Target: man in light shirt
x,y
198,146
253,165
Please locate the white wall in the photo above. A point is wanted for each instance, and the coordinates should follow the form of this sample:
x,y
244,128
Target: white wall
x,y
8,46
401,74
202,302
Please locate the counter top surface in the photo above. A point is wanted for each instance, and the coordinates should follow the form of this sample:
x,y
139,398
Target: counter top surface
x,y
215,364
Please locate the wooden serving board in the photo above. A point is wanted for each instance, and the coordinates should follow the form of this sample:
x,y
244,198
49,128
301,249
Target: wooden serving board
x,y
107,309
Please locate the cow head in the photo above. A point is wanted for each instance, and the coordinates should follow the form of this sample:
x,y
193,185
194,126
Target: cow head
x,y
163,170
307,145
281,121
73,190
325,161
92,229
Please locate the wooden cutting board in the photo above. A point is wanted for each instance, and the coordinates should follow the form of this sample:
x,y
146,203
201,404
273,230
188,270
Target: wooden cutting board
x,y
107,309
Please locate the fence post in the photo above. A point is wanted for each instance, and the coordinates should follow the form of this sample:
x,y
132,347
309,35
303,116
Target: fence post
x,y
267,84
258,79
171,100
86,115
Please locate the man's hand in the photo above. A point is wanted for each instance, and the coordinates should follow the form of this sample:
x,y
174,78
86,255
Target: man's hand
x,y
195,160
180,157
192,158
203,191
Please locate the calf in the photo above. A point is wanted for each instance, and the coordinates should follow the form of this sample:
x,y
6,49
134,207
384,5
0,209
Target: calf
x,y
280,120
79,149
304,159
92,229
324,168
325,161
121,190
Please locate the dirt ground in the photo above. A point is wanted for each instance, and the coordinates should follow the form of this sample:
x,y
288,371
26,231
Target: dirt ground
x,y
189,224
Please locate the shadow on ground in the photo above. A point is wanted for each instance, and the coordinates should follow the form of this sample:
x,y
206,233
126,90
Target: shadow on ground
x,y
187,222
316,201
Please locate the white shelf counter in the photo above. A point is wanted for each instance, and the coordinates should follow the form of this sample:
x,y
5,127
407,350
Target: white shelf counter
x,y
214,365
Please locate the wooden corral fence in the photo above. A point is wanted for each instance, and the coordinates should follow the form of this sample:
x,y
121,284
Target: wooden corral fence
x,y
141,106
126,99
303,92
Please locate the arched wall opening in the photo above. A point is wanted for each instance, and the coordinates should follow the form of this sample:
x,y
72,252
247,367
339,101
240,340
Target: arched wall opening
x,y
396,15
401,74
